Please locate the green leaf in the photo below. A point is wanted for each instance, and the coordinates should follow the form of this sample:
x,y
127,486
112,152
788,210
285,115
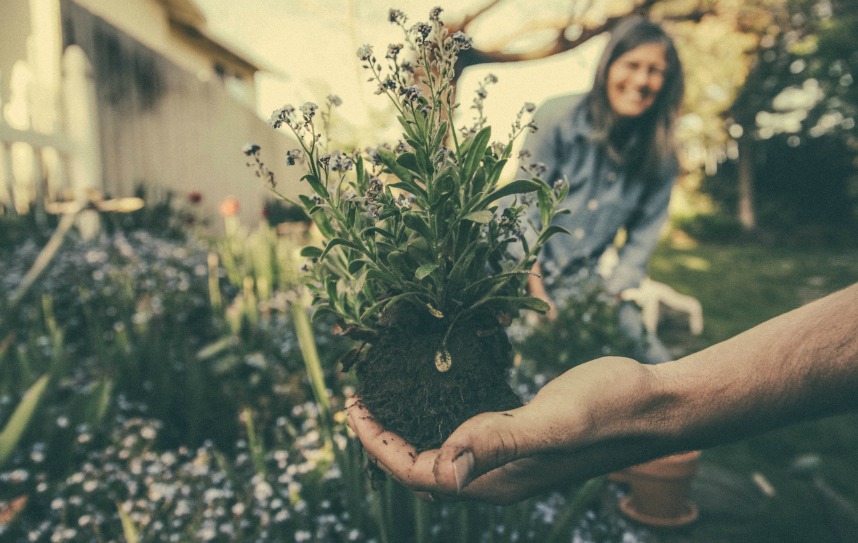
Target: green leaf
x,y
356,265
521,186
406,125
409,160
419,245
351,216
496,281
478,182
425,270
311,251
483,216
423,163
550,231
381,276
389,211
543,203
20,418
495,172
367,232
445,184
476,151
414,222
337,242
439,135
331,289
530,302
383,303
420,123
323,224
308,203
99,401
129,531
518,302
404,174
316,185
359,169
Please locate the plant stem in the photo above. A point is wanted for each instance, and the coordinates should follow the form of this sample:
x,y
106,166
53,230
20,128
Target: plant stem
x,y
307,342
421,520
45,256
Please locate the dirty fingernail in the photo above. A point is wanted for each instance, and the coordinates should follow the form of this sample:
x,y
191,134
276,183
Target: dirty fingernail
x,y
462,467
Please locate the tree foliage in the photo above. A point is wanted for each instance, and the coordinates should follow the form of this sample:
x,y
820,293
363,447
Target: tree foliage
x,y
798,106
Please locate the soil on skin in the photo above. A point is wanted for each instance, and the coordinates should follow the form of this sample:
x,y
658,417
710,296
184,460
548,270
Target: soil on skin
x,y
401,387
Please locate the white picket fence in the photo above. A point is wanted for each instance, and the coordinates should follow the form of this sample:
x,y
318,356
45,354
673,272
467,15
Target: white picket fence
x,y
40,166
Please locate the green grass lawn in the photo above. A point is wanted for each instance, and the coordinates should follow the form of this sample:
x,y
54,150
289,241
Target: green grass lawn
x,y
741,286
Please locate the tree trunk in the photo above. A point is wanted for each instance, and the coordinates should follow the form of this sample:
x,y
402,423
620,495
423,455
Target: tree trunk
x,y
746,215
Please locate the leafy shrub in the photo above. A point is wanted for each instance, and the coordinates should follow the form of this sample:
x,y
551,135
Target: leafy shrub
x,y
586,327
132,314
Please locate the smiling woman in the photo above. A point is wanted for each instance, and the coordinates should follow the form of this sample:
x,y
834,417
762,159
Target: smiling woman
x,y
614,147
636,78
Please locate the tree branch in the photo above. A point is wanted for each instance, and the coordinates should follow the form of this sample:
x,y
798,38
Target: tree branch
x,y
469,18
561,43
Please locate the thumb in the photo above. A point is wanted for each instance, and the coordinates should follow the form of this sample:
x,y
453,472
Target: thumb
x,y
481,444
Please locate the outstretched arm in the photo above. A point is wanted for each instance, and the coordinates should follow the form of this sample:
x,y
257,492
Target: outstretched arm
x,y
614,412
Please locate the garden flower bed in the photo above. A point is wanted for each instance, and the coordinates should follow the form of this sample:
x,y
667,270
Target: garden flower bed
x,y
178,406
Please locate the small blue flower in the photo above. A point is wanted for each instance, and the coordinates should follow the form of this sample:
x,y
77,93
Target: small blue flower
x,y
364,52
462,41
308,109
396,16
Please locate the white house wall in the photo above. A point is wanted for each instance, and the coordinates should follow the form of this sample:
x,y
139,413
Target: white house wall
x,y
146,22
156,123
162,127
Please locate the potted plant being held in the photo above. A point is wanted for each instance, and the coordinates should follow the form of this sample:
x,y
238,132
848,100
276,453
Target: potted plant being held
x,y
423,257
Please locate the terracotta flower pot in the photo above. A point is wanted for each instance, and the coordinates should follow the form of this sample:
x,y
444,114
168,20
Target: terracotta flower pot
x,y
658,490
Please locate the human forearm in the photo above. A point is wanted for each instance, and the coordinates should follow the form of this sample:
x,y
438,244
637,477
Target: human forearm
x,y
800,365
614,412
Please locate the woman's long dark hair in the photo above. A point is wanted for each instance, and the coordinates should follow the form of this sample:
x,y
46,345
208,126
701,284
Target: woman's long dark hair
x,y
645,144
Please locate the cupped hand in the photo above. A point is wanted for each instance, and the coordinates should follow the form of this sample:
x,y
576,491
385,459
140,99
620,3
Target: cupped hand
x,y
503,457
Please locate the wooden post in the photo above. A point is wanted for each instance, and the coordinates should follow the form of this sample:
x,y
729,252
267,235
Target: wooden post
x,y
8,176
81,127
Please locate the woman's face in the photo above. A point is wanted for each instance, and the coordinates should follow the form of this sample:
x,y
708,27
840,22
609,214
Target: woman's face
x,y
635,78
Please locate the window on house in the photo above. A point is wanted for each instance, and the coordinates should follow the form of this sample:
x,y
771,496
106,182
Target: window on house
x,y
220,71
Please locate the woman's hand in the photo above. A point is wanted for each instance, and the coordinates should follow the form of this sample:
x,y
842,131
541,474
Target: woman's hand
x,y
536,288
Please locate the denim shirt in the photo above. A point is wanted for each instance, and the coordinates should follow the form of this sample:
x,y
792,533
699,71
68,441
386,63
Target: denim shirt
x,y
603,198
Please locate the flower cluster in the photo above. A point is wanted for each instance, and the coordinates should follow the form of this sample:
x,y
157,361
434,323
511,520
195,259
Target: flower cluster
x,y
194,493
293,491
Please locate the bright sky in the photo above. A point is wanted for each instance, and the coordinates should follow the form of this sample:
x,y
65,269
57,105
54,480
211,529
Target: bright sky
x,y
312,43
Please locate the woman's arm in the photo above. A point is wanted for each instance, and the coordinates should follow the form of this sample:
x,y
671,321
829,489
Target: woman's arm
x,y
536,288
642,235
614,412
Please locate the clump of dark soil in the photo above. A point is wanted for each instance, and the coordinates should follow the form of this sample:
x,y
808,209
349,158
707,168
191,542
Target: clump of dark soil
x,y
401,386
